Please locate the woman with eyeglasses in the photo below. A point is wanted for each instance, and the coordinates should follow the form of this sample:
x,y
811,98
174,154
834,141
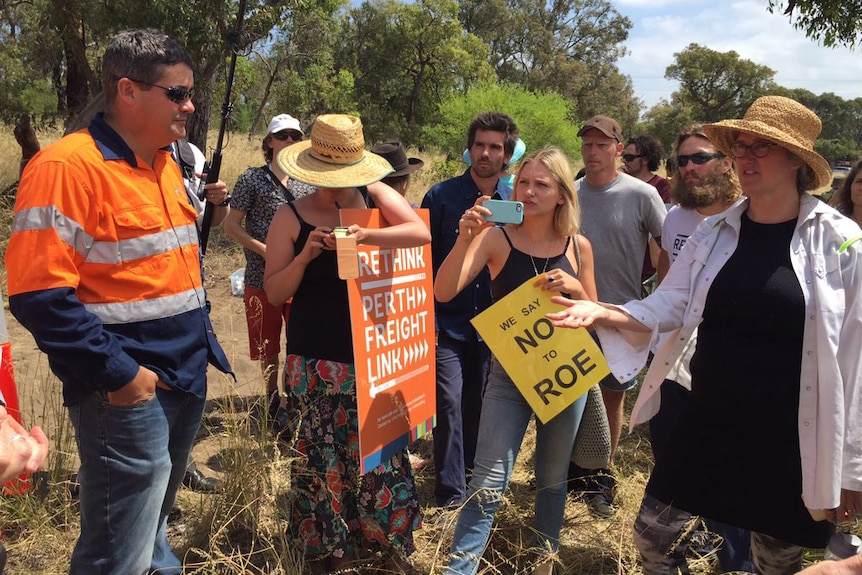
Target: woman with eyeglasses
x,y
771,438
257,195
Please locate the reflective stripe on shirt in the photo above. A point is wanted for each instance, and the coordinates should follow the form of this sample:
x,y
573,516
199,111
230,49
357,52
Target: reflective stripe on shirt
x,y
103,252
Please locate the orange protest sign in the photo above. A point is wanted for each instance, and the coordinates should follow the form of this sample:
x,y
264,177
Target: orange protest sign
x,y
392,318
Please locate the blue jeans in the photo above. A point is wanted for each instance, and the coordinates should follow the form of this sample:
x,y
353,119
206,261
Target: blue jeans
x,y
505,415
132,464
462,370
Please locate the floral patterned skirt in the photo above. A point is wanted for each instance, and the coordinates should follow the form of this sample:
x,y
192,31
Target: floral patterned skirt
x,y
336,509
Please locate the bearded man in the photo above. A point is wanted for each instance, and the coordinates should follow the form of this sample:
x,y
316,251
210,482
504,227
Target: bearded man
x,y
705,184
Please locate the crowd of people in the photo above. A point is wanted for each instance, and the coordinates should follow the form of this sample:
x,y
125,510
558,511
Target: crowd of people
x,y
751,338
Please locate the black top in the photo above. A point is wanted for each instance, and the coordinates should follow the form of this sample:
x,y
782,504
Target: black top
x,y
519,268
734,453
319,323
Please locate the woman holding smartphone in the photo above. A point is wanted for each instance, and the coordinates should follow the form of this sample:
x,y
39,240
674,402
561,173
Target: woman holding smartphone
x,y
545,246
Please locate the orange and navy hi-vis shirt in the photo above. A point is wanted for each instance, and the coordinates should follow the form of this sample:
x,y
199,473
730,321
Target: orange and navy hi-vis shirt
x,y
103,266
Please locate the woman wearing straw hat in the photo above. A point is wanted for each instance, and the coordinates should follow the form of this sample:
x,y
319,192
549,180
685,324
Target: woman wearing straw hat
x,y
770,440
336,511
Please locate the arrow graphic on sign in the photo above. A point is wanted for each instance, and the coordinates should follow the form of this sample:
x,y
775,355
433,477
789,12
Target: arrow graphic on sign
x,y
375,389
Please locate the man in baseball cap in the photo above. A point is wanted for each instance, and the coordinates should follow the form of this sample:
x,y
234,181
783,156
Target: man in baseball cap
x,y
618,214
604,124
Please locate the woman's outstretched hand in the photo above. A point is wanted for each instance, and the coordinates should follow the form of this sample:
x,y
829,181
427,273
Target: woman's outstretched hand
x,y
578,313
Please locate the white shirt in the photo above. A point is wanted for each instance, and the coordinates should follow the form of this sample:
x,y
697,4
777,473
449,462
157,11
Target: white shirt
x,y
193,183
826,255
679,224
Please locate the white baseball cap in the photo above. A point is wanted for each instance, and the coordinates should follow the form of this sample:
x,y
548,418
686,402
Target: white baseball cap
x,y
283,122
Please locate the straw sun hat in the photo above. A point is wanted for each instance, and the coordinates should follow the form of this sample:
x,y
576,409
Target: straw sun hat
x,y
780,120
334,156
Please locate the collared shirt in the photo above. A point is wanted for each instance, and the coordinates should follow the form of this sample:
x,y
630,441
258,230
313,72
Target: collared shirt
x,y
103,266
826,254
447,202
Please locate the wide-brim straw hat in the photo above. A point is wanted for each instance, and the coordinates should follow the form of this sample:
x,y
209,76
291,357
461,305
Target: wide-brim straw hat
x,y
334,156
780,120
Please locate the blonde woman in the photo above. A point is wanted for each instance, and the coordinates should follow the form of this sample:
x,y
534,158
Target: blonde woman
x,y
547,247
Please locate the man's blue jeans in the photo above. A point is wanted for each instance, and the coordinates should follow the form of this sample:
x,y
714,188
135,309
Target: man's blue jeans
x,y
462,370
132,464
505,415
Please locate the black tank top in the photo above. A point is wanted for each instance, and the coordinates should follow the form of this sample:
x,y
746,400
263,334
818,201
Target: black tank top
x,y
519,268
319,323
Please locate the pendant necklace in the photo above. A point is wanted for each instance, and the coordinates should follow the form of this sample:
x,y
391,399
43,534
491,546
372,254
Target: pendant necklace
x,y
547,259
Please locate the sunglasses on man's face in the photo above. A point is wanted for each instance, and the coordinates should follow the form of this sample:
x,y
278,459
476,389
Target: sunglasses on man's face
x,y
176,94
699,158
631,157
285,134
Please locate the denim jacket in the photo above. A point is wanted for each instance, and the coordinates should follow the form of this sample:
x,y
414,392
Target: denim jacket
x,y
827,258
447,202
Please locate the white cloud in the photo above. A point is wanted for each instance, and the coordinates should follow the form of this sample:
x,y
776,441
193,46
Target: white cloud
x,y
744,26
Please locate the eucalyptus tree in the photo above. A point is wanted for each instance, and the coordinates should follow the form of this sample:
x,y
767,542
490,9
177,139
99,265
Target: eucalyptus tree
x,y
567,46
68,37
717,85
834,22
406,58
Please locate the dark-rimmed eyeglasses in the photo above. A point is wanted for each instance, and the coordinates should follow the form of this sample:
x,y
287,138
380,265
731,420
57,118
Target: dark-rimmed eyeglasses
x,y
285,134
758,149
699,158
631,157
176,94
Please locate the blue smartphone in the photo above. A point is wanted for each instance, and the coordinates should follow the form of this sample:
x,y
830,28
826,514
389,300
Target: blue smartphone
x,y
505,211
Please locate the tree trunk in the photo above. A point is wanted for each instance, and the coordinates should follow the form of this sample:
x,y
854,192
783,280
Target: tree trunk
x,y
198,125
81,81
264,100
77,90
26,137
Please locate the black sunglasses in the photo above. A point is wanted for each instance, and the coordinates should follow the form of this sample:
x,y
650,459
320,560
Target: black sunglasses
x,y
630,157
176,94
285,134
699,158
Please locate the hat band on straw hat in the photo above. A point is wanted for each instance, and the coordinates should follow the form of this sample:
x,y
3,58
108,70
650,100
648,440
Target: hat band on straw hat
x,y
330,154
331,160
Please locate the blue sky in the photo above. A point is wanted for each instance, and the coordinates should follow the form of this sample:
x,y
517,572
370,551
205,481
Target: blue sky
x,y
663,27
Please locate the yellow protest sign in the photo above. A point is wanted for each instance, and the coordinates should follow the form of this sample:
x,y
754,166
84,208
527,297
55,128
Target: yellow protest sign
x,y
552,367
